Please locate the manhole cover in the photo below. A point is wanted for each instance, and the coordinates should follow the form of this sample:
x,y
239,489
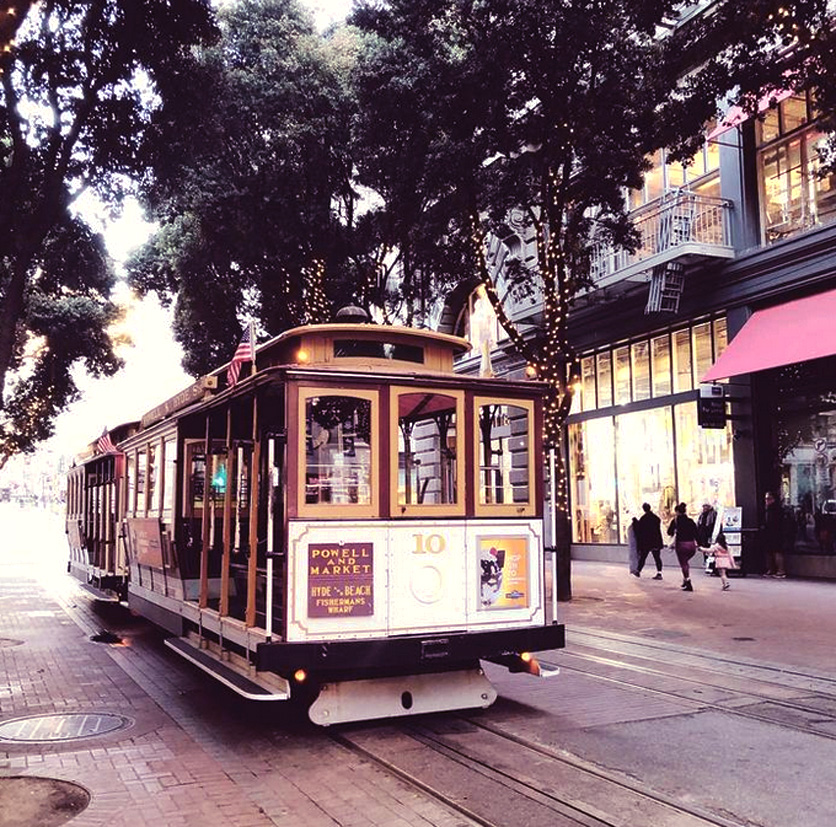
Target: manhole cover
x,y
42,728
664,634
743,638
47,802
9,641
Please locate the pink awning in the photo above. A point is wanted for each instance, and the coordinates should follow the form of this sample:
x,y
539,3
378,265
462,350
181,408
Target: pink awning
x,y
797,331
736,115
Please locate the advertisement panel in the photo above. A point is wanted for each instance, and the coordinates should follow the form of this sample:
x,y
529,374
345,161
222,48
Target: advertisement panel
x,y
503,572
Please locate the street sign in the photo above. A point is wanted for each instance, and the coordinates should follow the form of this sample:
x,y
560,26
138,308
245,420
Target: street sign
x,y
711,406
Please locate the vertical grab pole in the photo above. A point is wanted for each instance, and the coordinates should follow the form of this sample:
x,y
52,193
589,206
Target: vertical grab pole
x,y
553,528
227,530
271,458
205,526
255,490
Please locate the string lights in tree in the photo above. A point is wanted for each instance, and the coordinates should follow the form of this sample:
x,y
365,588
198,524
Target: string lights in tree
x,y
317,307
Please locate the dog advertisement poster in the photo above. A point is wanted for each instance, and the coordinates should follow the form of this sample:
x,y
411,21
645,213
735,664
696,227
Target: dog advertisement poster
x,y
504,575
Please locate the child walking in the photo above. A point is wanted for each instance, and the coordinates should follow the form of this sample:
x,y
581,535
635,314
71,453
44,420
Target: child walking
x,y
723,559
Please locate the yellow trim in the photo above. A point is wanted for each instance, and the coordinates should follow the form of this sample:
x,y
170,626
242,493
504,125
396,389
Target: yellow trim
x,y
326,510
526,509
399,509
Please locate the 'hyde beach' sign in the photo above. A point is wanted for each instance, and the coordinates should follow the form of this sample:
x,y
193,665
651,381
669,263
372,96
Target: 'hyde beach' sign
x,y
340,579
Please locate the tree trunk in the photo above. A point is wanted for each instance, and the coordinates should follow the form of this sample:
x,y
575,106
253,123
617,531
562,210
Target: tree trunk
x,y
10,313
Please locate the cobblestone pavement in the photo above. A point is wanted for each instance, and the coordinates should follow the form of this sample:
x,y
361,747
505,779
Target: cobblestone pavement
x,y
189,756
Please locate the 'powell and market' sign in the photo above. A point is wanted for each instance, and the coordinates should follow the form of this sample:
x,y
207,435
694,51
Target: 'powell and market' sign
x,y
340,579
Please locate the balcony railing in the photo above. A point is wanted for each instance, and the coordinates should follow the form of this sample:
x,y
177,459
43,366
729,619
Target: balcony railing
x,y
681,226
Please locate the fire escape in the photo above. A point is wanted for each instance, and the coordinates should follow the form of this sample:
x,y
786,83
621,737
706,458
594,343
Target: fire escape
x,y
679,230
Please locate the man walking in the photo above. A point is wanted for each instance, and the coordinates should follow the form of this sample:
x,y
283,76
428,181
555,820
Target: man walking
x,y
649,539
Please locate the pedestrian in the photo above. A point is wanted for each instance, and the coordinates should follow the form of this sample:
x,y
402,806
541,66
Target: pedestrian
x,y
632,546
648,529
773,536
684,531
705,525
723,558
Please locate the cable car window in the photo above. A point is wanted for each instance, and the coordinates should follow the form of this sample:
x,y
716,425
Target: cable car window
x,y
347,348
140,483
169,477
504,448
153,479
131,473
338,450
427,449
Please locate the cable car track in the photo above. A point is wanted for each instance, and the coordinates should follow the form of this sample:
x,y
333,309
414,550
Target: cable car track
x,y
553,790
775,680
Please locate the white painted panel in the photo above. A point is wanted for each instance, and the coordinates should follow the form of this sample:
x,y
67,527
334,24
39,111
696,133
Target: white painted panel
x,y
428,577
342,608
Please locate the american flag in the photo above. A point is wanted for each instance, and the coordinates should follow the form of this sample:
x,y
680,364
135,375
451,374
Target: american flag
x,y
244,353
105,444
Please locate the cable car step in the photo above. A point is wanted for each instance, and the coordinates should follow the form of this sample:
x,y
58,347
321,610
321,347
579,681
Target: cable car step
x,y
232,676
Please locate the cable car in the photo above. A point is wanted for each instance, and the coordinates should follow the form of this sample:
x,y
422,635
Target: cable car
x,y
348,520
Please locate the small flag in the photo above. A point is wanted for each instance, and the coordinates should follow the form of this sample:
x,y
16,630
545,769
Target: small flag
x,y
243,353
105,444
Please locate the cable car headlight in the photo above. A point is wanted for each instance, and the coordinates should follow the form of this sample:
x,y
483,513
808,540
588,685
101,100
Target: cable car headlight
x,y
300,676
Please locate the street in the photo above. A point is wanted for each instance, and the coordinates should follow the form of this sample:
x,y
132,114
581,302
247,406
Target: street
x,y
670,709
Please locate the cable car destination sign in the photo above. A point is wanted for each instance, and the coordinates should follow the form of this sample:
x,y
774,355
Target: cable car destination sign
x,y
340,579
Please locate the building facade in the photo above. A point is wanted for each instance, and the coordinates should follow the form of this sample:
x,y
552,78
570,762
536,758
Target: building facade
x,y
733,285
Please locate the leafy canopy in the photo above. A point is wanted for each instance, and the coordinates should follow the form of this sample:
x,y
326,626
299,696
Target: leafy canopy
x,y
77,85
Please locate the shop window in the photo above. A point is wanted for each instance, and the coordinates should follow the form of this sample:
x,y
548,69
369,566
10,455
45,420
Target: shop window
x,y
660,350
640,370
504,447
644,459
588,401
337,452
682,373
430,457
721,337
705,466
802,410
703,358
592,469
604,361
622,375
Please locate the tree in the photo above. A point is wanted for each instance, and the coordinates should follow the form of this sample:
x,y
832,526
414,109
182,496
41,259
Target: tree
x,y
249,181
78,83
552,109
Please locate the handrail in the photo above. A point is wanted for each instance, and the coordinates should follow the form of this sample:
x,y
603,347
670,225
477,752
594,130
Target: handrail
x,y
678,218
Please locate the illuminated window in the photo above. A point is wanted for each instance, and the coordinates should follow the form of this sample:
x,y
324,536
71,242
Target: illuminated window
x,y
794,195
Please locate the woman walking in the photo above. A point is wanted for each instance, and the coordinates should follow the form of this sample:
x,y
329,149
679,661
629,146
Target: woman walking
x,y
684,531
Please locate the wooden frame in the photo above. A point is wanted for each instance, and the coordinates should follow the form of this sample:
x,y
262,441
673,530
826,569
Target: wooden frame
x,y
332,510
528,508
453,509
